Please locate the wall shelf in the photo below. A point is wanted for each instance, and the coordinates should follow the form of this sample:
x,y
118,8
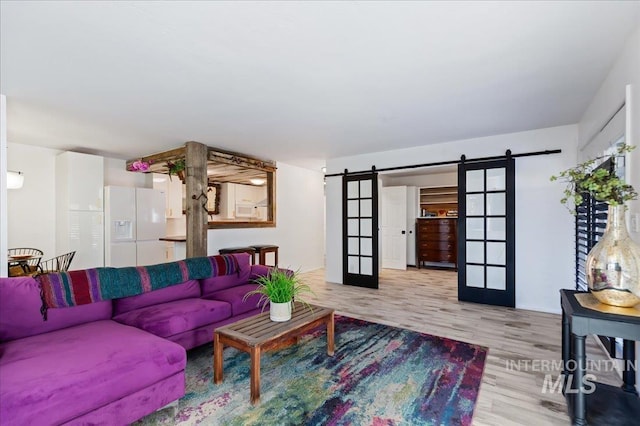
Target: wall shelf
x,y
437,198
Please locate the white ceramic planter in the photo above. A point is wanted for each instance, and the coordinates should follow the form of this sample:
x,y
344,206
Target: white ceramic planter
x,y
280,312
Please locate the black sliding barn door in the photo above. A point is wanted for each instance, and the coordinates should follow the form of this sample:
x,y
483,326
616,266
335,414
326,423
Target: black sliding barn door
x,y
486,232
360,230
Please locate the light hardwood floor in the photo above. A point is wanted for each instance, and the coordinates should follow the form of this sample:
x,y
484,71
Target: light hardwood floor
x,y
425,300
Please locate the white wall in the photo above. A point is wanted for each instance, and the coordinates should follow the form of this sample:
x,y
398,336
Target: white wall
x,y
299,222
116,174
544,228
622,82
3,186
612,93
31,209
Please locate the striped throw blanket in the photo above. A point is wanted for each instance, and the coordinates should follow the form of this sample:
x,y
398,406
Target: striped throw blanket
x,y
65,289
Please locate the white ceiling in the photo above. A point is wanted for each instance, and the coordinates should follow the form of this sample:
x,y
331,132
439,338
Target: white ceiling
x,y
299,82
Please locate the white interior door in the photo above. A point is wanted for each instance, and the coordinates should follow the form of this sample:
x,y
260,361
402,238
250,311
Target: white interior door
x,y
393,226
412,214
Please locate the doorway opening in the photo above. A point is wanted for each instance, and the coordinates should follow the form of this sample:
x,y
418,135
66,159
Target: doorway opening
x,y
418,227
418,218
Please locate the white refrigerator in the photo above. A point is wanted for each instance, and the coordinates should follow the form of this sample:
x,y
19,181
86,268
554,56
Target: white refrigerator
x,y
134,223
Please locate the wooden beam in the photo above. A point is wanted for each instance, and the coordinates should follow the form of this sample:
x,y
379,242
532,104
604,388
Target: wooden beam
x,y
226,157
196,197
161,157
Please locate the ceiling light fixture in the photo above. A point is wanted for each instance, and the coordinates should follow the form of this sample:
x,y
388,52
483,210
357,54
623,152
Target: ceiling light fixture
x,y
257,181
15,180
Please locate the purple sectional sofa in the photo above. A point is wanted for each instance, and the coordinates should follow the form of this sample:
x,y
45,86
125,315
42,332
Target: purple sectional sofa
x,y
109,362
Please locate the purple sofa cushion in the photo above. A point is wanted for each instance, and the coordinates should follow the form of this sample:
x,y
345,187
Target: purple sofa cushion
x,y
234,297
55,377
187,290
213,284
202,335
258,271
175,317
20,311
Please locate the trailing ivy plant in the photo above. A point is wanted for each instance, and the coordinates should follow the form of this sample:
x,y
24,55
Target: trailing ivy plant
x,y
601,184
175,167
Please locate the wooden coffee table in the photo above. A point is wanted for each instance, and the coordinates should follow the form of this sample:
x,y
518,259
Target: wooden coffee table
x,y
258,333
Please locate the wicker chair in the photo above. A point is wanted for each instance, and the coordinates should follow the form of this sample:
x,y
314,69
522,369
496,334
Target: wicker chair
x,y
57,264
27,266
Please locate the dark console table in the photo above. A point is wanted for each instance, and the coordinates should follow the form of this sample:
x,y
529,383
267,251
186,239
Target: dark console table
x,y
606,405
230,250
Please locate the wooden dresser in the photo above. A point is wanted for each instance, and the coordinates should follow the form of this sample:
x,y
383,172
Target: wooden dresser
x,y
436,241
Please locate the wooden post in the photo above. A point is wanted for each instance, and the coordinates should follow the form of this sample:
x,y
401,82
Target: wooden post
x,y
196,192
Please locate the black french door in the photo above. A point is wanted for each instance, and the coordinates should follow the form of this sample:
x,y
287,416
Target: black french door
x,y
486,232
360,230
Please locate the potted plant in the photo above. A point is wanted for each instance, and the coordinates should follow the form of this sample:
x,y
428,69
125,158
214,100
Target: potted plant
x,y
602,184
280,287
613,264
176,168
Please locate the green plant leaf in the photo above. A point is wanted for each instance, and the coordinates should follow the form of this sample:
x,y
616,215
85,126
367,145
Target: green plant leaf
x,y
599,183
279,286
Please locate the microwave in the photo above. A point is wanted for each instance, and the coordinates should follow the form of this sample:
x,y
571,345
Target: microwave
x,y
245,210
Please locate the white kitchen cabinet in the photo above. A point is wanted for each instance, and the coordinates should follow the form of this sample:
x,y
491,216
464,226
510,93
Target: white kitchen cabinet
x,y
250,194
79,181
172,187
85,236
243,202
174,198
227,200
179,250
79,208
168,251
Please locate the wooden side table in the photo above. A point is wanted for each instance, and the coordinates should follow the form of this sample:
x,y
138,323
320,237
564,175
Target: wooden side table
x,y
262,250
231,250
603,405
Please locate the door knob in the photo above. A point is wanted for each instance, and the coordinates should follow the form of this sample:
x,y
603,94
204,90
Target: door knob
x,y
404,232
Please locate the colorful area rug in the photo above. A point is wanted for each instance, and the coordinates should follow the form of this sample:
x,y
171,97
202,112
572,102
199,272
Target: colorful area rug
x,y
379,375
